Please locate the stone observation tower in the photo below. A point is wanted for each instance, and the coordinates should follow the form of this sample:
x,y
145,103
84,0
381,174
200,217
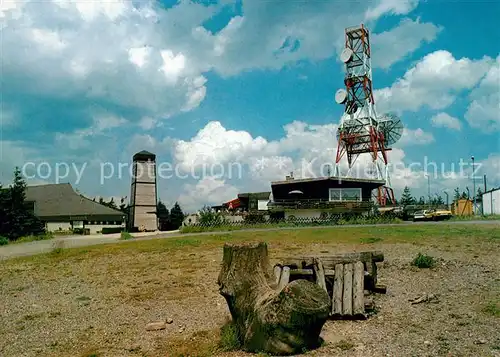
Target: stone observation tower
x,y
143,197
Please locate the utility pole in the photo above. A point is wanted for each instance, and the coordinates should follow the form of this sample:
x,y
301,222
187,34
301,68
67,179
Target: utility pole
x,y
474,186
429,188
447,199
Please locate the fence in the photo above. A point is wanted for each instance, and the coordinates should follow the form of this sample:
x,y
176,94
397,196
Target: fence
x,y
262,221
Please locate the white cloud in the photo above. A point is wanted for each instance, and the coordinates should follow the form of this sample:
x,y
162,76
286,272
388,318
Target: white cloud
x,y
208,190
434,82
214,144
111,53
149,123
391,46
484,110
143,60
415,137
395,7
444,120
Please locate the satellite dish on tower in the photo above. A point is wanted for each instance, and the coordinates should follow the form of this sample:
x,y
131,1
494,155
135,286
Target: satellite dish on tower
x,y
346,55
341,96
392,128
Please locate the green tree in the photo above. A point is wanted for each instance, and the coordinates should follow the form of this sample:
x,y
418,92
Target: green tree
x,y
406,197
208,217
111,203
123,205
421,200
439,200
456,196
163,216
479,193
176,216
464,196
16,219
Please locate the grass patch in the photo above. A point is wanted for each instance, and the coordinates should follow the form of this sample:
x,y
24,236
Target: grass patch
x,y
125,236
457,235
492,309
345,345
57,247
27,239
493,217
230,340
424,261
371,240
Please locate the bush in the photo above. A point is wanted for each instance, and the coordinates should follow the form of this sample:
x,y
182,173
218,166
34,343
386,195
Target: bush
x,y
111,230
423,261
229,338
253,218
125,235
3,241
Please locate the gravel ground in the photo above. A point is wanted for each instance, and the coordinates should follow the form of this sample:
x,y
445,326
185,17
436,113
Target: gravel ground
x,y
99,305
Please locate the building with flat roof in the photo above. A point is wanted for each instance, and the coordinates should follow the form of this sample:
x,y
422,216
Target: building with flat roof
x,y
319,197
491,202
62,209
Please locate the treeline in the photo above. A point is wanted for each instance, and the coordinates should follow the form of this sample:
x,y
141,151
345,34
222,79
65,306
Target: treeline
x,y
167,219
408,199
16,218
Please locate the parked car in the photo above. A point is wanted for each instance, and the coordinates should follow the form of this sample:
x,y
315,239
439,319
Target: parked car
x,y
432,215
424,215
441,214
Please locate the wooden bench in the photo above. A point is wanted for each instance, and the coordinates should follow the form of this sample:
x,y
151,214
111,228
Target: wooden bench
x,y
347,278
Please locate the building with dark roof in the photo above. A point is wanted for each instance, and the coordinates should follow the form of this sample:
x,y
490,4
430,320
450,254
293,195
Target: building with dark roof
x,y
317,197
61,208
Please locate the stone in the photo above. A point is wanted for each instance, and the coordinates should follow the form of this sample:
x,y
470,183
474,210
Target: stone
x,y
156,326
169,321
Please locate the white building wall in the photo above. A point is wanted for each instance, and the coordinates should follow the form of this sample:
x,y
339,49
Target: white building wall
x,y
491,202
97,228
58,226
145,220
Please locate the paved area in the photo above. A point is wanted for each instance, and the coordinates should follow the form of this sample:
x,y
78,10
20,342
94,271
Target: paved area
x,y
45,246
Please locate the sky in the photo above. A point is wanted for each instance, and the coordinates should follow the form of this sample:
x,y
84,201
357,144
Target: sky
x,y
233,94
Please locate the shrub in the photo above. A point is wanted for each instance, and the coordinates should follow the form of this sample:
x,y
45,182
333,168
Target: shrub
x,y
229,338
125,235
253,218
423,261
3,241
111,230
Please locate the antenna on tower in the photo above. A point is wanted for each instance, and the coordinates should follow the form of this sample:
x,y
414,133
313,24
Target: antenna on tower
x,y
360,130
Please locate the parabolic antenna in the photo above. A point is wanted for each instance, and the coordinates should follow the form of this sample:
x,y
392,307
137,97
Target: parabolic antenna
x,y
392,127
341,96
347,125
346,55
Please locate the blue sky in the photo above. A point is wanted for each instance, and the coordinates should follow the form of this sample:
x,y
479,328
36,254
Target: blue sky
x,y
240,82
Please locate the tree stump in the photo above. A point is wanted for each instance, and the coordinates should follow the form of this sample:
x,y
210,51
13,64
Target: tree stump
x,y
268,319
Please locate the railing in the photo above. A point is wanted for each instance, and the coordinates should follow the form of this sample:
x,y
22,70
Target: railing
x,y
320,204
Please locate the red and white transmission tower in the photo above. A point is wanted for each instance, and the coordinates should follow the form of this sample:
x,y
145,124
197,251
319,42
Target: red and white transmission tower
x,y
360,130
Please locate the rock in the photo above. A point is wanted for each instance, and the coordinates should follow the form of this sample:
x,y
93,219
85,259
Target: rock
x,y
169,321
156,326
181,330
481,341
427,343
